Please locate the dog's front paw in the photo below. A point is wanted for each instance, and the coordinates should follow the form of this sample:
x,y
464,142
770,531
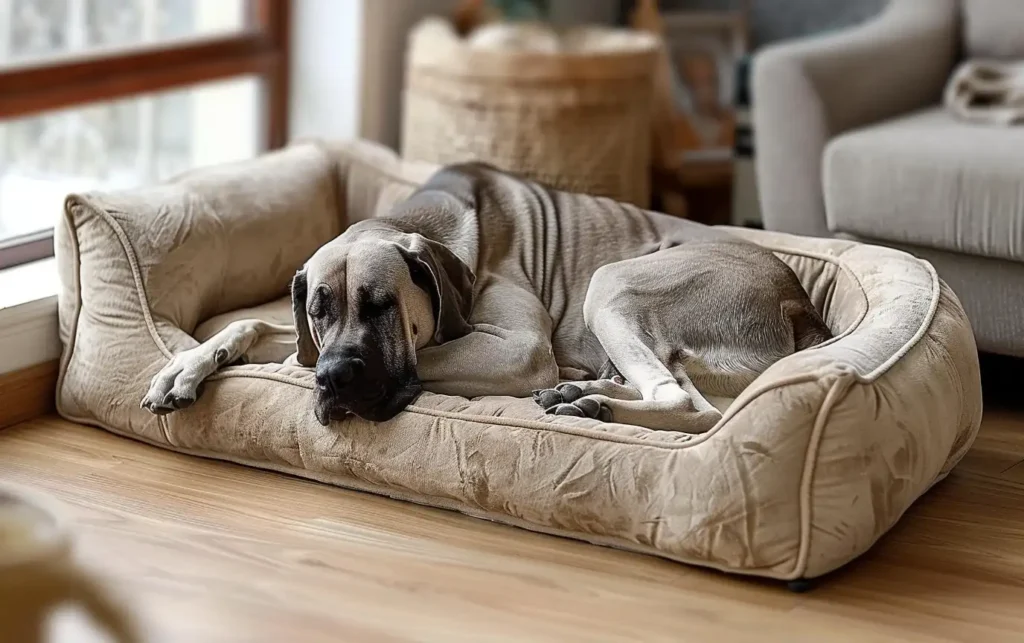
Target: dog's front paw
x,y
177,385
584,407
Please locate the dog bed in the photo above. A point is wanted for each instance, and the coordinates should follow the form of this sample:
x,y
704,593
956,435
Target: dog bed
x,y
814,462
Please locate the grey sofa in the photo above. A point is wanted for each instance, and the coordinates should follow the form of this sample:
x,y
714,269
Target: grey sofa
x,y
852,141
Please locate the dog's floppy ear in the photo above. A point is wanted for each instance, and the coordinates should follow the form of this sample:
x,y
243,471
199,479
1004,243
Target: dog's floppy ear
x,y
448,280
306,350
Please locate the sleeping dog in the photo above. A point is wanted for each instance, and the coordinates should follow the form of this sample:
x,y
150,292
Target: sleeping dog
x,y
485,283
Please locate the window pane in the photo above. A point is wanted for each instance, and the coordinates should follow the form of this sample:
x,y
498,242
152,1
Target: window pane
x,y
121,144
41,30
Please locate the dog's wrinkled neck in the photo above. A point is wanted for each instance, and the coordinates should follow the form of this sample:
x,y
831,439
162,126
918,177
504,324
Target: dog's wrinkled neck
x,y
433,213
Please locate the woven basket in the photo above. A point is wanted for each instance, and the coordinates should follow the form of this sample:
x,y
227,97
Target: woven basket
x,y
577,119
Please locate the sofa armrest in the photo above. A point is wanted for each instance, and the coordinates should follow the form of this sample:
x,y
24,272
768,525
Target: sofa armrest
x,y
810,90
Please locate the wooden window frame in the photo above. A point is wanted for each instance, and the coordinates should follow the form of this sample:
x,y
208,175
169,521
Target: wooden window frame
x,y
262,49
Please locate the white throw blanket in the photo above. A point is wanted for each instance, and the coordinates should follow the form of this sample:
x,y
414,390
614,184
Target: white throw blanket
x,y
986,91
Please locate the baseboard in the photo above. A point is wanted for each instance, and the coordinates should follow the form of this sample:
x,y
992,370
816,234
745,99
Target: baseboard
x,y
27,393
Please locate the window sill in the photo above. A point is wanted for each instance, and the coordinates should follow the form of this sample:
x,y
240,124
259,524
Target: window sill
x,y
28,315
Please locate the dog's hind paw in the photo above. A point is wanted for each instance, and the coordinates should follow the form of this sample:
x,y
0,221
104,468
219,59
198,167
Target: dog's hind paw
x,y
566,409
564,393
585,407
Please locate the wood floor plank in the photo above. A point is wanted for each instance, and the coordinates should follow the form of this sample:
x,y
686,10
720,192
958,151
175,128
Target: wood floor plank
x,y
1014,473
209,551
1001,446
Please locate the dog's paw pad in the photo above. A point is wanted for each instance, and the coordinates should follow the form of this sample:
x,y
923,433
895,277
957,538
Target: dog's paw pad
x,y
570,392
157,409
566,409
184,402
547,398
591,408
583,408
171,402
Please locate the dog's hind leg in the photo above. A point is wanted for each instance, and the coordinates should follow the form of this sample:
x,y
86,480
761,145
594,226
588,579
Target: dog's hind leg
x,y
646,393
714,315
176,385
666,401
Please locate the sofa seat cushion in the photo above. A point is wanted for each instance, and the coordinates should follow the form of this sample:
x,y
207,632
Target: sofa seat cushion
x,y
929,180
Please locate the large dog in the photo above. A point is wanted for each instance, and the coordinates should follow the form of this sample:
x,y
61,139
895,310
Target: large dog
x,y
484,283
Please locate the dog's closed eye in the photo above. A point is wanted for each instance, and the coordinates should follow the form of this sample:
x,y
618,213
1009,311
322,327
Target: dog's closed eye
x,y
374,305
318,303
420,276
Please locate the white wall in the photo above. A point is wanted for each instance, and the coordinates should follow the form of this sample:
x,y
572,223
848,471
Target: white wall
x,y
326,67
347,60
387,27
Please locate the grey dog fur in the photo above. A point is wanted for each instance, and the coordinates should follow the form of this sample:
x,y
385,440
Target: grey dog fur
x,y
596,308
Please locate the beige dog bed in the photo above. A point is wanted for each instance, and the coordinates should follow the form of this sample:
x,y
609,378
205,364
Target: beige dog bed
x,y
807,469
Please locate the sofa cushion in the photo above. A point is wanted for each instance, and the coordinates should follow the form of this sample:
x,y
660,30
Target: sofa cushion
x,y
929,180
994,28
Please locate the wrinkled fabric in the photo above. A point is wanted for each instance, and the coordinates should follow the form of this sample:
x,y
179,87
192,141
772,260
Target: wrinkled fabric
x,y
810,465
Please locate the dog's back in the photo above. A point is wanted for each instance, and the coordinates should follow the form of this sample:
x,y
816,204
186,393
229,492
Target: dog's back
x,y
554,242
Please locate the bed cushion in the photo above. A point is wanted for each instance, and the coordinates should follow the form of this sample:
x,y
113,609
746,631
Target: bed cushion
x,y
809,466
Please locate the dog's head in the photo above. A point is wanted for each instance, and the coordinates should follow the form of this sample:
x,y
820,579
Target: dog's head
x,y
363,305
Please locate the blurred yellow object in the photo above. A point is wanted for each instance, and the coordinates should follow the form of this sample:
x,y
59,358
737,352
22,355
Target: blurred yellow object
x,y
38,573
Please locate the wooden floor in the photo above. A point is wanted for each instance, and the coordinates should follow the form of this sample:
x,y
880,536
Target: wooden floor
x,y
207,551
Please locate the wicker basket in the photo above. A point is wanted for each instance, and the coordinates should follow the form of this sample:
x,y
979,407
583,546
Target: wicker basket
x,y
577,119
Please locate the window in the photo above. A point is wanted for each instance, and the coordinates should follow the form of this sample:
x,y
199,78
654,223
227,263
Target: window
x,y
110,94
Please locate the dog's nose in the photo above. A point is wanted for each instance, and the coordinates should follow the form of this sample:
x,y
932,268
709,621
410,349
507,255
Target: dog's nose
x,y
338,375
